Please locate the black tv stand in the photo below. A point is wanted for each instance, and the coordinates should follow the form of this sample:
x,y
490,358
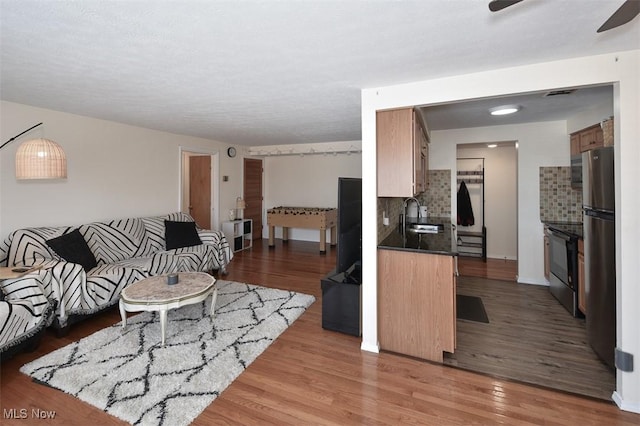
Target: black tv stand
x,y
341,306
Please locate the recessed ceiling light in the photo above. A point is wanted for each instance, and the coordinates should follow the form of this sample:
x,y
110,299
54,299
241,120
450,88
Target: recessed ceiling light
x,y
504,109
492,145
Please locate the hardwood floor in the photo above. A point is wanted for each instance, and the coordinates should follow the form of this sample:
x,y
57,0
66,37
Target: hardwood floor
x,y
555,352
314,376
495,269
530,337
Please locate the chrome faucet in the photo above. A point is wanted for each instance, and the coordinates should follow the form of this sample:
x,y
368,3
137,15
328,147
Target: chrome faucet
x,y
404,214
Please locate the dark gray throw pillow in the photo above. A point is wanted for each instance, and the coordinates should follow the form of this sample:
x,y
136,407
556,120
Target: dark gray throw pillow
x,y
73,248
180,234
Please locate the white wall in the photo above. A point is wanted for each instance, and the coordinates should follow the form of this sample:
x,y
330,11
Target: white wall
x,y
306,181
622,69
500,197
590,116
114,170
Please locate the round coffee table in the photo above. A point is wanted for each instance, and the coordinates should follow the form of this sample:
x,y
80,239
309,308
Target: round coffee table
x,y
154,294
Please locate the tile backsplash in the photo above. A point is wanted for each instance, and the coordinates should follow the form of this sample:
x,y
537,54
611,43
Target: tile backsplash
x,y
437,198
558,201
392,207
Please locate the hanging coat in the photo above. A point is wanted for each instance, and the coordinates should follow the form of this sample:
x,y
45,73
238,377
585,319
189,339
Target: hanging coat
x,y
465,211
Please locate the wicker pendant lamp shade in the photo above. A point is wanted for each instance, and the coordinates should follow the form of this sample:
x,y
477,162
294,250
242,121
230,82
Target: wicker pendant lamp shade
x,y
40,159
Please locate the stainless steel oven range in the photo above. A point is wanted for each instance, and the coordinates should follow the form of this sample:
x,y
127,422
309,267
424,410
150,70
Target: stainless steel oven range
x,y
563,258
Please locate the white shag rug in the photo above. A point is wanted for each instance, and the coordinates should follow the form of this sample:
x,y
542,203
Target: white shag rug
x,y
128,374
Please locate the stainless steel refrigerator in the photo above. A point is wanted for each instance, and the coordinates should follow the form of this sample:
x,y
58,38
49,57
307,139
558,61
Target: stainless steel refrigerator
x,y
599,250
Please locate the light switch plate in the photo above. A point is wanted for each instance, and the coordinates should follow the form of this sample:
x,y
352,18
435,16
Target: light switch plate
x,y
624,361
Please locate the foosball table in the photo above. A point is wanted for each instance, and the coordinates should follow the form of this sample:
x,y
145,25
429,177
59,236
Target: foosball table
x,y
303,217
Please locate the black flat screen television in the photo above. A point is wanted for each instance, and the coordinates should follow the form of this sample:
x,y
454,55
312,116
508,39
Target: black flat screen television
x,y
349,251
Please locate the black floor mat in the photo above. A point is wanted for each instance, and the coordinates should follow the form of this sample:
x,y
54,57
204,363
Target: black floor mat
x,y
470,308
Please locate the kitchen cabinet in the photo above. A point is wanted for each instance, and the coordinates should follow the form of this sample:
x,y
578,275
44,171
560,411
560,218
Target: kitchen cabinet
x,y
582,295
416,303
575,144
591,138
403,153
595,136
421,156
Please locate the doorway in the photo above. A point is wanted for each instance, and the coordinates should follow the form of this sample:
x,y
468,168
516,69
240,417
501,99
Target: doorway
x,y
489,170
253,194
199,195
200,189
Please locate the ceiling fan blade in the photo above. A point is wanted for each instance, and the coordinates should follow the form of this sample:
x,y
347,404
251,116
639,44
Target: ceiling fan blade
x,y
624,14
496,5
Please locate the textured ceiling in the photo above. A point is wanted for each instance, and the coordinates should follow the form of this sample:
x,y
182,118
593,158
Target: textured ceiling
x,y
267,72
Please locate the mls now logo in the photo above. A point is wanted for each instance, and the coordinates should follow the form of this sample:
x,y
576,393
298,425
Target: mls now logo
x,y
14,413
23,413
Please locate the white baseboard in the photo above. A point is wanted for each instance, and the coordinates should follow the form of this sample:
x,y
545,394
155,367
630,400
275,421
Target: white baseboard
x,y
631,407
533,281
501,257
370,348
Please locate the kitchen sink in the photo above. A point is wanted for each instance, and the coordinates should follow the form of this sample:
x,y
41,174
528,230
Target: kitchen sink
x,y
426,228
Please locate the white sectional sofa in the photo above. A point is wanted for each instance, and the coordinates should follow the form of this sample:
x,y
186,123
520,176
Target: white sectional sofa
x,y
105,258
24,315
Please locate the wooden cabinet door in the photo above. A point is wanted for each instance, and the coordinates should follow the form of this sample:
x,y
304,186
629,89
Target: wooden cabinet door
x,y
395,153
575,144
253,195
595,136
419,141
426,162
591,138
416,303
403,153
200,190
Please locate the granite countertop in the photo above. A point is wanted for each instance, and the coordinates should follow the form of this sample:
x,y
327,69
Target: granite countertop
x,y
573,229
441,243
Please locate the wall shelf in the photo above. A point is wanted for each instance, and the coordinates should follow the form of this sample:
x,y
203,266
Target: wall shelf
x,y
473,243
471,177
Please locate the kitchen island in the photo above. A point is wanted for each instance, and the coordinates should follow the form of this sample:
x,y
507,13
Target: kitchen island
x,y
442,242
417,291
